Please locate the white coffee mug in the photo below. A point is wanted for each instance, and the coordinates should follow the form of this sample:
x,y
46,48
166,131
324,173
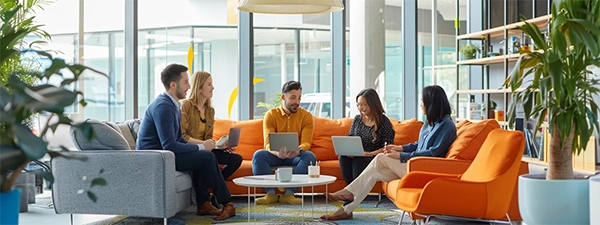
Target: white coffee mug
x,y
283,174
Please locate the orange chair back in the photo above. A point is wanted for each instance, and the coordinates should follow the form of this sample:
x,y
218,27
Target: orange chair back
x,y
497,165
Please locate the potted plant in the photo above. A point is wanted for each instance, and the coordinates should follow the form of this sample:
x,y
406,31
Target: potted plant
x,y
492,106
469,50
19,100
558,82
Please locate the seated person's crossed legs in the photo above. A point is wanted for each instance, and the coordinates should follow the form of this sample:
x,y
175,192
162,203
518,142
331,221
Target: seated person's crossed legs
x,y
206,174
263,160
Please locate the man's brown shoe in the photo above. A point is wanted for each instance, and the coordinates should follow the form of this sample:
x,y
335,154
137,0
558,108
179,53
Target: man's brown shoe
x,y
207,209
228,211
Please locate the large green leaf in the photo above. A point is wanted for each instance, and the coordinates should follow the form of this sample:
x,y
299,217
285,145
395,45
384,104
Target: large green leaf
x,y
33,146
49,98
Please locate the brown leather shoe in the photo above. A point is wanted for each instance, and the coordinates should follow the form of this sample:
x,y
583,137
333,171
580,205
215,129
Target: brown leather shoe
x,y
207,209
228,211
338,217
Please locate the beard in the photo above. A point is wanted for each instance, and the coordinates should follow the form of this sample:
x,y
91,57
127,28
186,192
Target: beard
x,y
293,108
179,92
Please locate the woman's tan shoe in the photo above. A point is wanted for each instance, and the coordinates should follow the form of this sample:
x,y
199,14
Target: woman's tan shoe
x,y
333,197
342,216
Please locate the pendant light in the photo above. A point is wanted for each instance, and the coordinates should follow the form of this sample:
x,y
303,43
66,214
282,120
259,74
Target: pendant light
x,y
290,6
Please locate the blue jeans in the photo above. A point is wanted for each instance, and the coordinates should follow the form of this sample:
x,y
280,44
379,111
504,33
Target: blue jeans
x,y
263,160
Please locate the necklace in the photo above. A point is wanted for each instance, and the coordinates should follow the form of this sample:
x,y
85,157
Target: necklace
x,y
203,120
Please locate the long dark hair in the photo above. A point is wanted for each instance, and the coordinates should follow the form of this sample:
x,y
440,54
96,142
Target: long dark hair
x,y
374,105
436,103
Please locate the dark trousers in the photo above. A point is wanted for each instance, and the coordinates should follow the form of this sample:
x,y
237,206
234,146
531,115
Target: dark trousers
x,y
352,167
231,161
205,174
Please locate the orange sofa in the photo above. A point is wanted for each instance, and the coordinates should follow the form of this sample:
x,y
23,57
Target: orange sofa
x,y
462,152
252,139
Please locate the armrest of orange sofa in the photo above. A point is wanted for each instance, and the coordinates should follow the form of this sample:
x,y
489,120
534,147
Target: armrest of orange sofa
x,y
438,165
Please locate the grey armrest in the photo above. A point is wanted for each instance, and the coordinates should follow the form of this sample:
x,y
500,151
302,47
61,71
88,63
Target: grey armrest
x,y
140,183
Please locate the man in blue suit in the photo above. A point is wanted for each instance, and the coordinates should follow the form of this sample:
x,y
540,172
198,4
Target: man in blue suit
x,y
160,130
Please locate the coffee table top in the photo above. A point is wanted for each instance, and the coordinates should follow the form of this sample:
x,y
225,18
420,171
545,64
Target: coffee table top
x,y
298,180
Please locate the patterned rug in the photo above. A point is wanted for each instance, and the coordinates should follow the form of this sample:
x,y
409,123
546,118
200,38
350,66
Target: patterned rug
x,y
368,212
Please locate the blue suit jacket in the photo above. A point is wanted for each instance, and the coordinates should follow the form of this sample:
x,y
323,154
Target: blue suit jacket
x,y
160,129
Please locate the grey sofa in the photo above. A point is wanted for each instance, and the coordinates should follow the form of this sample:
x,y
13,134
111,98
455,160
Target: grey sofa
x,y
140,183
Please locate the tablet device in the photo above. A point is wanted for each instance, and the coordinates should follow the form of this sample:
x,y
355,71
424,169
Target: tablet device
x,y
348,145
278,140
233,138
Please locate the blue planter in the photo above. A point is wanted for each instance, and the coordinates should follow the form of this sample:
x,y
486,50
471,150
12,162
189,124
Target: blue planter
x,y
544,201
9,207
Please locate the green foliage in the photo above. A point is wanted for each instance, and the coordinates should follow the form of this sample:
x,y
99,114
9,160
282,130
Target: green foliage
x,y
19,99
469,50
274,103
557,79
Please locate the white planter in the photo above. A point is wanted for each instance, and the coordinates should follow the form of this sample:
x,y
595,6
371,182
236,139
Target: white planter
x,y
543,202
595,199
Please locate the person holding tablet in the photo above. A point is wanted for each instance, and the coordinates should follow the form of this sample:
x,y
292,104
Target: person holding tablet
x,y
374,129
435,137
198,118
289,117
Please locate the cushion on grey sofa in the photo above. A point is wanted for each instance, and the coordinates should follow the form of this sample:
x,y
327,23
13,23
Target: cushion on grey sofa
x,y
107,137
134,126
124,129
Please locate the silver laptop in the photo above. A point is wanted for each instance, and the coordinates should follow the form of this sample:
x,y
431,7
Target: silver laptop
x,y
278,140
233,138
348,145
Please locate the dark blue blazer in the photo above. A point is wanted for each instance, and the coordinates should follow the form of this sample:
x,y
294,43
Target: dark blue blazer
x,y
160,129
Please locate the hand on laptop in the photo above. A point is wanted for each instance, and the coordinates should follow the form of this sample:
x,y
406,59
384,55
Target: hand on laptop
x,y
285,154
230,150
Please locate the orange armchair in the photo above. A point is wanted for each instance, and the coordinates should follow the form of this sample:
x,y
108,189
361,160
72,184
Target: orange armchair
x,y
483,191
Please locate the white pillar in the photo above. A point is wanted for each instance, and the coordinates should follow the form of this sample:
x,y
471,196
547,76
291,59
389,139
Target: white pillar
x,y
224,75
283,64
367,48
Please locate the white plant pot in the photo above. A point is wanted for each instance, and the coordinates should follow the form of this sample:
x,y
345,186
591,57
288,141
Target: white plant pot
x,y
543,202
595,199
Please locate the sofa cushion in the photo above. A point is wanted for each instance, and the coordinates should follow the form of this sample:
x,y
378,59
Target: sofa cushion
x,y
183,181
407,131
462,123
324,128
251,135
124,129
107,137
470,137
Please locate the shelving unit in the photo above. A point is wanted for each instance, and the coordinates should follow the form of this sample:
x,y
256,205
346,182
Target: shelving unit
x,y
497,93
496,68
512,28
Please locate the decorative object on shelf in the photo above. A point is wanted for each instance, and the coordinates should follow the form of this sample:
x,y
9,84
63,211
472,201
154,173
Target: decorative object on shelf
x,y
474,109
563,86
514,45
290,6
19,100
489,107
469,50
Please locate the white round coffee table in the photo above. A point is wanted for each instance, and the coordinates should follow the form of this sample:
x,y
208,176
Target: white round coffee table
x,y
298,180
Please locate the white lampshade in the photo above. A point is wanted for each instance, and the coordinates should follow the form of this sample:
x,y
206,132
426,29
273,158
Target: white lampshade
x,y
290,6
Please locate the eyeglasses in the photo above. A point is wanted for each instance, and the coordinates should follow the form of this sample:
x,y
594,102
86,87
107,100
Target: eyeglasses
x,y
361,105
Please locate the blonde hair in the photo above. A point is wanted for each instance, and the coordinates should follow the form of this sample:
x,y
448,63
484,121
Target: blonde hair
x,y
198,80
